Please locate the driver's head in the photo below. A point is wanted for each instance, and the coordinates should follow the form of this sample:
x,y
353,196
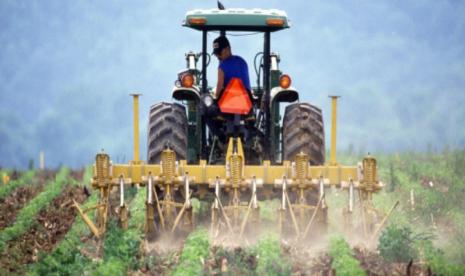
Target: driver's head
x,y
220,46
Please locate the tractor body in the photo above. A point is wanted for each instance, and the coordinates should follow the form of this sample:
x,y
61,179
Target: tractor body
x,y
260,129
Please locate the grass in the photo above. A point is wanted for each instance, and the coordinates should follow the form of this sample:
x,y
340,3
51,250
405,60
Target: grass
x,y
25,217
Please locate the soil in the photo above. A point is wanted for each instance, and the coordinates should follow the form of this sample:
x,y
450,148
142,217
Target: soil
x,y
234,261
374,264
13,203
77,174
161,256
49,228
15,175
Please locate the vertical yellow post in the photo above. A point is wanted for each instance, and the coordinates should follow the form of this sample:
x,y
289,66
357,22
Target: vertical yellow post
x,y
136,126
332,160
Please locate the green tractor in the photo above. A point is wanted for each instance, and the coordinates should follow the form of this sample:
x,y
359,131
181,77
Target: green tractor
x,y
182,127
234,157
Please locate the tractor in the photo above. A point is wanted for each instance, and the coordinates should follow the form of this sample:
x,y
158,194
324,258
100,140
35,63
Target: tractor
x,y
247,153
181,126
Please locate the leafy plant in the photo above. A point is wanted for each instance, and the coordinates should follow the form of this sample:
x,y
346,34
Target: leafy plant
x,y
270,259
397,244
438,262
195,251
121,247
343,262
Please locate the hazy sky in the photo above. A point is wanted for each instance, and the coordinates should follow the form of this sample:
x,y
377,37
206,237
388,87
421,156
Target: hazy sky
x,y
67,68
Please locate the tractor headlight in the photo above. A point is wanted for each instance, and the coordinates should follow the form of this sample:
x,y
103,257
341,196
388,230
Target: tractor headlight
x,y
187,80
208,100
285,81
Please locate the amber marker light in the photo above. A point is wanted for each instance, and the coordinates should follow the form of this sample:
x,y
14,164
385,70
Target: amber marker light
x,y
285,81
197,21
187,80
275,22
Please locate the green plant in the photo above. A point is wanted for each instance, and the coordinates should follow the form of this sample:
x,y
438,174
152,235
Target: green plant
x,y
270,259
343,262
396,244
436,260
121,247
194,253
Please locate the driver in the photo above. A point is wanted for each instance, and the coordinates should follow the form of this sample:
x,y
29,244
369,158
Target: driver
x,y
231,66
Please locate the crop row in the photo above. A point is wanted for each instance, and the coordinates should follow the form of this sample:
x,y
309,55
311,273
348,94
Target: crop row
x,y
25,217
122,247
66,258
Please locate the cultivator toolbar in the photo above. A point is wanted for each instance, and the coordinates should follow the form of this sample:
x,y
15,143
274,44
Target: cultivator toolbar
x,y
234,190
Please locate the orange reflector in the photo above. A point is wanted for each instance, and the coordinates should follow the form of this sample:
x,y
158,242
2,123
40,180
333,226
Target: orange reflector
x,y
285,81
187,80
275,22
197,21
235,98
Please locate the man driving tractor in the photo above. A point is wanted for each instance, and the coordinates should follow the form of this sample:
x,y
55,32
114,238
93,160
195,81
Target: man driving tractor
x,y
231,66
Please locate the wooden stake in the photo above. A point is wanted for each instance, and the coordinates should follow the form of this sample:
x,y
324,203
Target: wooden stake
x,y
42,160
412,200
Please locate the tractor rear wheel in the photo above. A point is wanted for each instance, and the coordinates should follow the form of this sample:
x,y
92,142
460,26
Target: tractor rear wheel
x,y
303,131
167,128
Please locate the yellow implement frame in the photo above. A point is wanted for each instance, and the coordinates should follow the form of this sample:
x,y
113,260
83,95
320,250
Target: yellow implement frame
x,y
234,178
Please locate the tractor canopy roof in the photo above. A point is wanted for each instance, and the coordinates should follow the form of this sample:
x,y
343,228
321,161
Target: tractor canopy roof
x,y
255,20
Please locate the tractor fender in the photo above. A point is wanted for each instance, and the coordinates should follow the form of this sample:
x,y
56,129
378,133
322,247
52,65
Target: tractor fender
x,y
186,93
279,94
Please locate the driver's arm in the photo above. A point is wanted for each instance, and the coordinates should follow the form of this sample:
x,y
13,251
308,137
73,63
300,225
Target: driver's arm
x,y
219,84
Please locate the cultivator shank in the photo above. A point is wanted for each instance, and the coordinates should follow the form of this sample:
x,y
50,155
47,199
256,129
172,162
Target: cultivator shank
x,y
302,209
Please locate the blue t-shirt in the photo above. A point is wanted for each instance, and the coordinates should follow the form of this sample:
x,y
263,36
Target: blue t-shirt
x,y
235,67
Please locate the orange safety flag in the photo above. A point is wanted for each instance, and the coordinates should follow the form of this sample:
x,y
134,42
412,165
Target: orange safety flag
x,y
235,98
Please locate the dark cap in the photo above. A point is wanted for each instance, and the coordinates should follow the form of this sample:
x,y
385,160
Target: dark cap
x,y
219,44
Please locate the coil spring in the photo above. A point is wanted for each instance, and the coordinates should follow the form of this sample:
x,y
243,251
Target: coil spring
x,y
301,164
369,168
236,170
168,159
102,163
